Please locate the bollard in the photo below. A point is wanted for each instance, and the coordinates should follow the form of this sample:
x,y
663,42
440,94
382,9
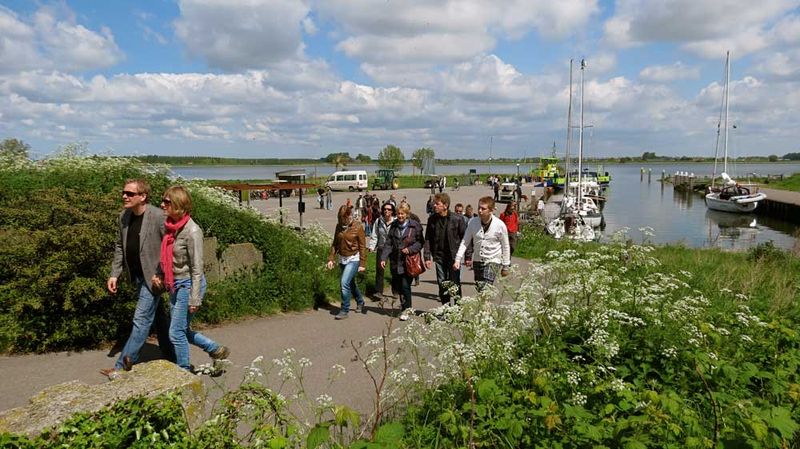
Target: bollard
x,y
649,175
691,181
663,175
641,174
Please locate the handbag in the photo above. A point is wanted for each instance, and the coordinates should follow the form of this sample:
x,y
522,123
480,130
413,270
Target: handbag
x,y
413,264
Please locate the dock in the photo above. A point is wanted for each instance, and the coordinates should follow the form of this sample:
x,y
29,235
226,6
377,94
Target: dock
x,y
781,204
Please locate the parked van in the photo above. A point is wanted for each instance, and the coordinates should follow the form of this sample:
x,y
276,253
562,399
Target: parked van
x,y
348,180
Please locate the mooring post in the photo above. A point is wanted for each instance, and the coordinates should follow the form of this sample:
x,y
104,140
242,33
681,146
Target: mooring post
x,y
641,174
649,175
691,181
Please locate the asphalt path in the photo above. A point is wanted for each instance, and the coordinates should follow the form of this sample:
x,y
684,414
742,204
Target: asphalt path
x,y
313,334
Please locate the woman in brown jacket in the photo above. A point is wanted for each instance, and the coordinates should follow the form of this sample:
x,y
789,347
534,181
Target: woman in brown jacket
x,y
350,243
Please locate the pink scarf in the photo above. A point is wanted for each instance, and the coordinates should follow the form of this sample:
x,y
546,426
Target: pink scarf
x,y
167,243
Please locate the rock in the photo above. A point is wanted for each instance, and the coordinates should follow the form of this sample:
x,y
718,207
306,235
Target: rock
x,y
211,265
56,404
240,257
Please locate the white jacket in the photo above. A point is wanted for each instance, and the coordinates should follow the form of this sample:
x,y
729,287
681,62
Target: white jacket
x,y
491,246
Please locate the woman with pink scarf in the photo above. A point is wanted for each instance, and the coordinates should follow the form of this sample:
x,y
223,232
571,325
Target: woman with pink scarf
x,y
182,267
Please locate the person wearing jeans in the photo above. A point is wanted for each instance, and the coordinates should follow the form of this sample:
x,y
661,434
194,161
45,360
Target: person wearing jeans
x,y
350,244
380,230
488,238
180,325
443,235
141,226
405,238
182,271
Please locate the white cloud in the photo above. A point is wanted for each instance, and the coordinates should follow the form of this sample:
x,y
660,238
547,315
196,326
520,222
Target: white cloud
x,y
450,31
780,65
664,73
704,28
245,34
52,39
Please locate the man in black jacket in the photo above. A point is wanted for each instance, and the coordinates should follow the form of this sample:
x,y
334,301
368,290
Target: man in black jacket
x,y
443,234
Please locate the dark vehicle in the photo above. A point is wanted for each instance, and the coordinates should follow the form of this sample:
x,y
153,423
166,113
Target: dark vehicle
x,y
385,179
433,180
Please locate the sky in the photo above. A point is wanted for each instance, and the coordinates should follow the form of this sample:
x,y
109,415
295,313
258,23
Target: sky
x,y
468,78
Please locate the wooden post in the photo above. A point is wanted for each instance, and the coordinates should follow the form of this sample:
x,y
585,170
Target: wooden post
x,y
649,175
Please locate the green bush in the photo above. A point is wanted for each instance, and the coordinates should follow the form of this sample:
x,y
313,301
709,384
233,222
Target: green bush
x,y
58,226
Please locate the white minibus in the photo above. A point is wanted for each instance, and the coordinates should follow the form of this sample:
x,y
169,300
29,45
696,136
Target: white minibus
x,y
348,180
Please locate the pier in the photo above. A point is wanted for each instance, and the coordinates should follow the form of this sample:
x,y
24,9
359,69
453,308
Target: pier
x,y
782,204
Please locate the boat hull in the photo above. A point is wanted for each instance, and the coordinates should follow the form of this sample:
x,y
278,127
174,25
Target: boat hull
x,y
740,205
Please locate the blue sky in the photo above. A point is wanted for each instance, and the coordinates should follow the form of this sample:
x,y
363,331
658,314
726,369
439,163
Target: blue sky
x,y
304,78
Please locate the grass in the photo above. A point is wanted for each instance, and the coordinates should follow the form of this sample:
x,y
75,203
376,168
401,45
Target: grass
x,y
765,273
791,183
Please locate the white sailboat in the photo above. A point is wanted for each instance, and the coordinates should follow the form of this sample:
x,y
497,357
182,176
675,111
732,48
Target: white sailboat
x,y
730,196
579,213
582,204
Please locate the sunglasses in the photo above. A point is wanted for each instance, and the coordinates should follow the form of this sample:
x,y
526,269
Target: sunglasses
x,y
128,193
389,209
166,201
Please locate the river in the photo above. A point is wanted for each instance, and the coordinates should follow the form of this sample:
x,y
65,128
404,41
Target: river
x,y
675,217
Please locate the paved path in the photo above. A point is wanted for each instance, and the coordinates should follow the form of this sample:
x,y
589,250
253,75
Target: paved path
x,y
782,196
313,334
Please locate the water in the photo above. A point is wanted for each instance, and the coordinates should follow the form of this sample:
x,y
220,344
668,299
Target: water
x,y
683,216
675,217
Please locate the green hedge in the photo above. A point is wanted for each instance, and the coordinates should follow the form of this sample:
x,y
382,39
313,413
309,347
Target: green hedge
x,y
57,233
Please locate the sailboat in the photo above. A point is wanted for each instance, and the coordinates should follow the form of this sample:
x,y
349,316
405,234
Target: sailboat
x,y
730,196
579,214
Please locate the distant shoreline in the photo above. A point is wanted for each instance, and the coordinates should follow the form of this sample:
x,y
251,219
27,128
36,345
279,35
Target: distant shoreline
x,y
174,161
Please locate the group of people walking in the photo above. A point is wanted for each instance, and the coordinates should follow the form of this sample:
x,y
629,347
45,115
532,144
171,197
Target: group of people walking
x,y
161,250
449,240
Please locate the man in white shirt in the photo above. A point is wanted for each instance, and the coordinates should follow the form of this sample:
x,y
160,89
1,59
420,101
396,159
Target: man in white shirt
x,y
488,238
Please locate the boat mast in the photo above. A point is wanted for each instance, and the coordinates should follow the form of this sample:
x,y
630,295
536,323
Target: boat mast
x,y
725,122
569,134
580,141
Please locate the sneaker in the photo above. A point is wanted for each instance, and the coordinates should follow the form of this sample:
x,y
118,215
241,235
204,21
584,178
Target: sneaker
x,y
360,308
404,317
220,353
341,315
111,373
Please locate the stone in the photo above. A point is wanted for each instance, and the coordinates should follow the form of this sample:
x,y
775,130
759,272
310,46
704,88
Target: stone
x,y
211,266
240,257
54,405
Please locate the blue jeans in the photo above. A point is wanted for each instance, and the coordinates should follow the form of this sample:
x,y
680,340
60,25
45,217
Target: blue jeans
x,y
148,310
401,283
180,332
349,285
446,277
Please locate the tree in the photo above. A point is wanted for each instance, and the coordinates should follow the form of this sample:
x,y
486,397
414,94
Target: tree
x,y
14,148
363,158
419,156
792,156
338,159
648,155
391,157
773,158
